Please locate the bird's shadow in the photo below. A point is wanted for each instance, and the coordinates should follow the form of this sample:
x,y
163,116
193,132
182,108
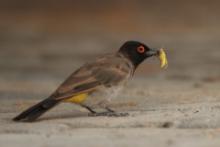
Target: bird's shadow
x,y
61,116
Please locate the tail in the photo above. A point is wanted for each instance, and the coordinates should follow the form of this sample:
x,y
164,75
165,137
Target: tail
x,y
37,110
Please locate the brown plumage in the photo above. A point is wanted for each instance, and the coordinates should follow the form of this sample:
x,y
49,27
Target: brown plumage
x,y
95,83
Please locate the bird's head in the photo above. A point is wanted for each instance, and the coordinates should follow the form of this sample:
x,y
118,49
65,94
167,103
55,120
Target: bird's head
x,y
137,52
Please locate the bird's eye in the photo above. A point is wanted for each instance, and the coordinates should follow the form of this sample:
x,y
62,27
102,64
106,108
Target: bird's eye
x,y
141,49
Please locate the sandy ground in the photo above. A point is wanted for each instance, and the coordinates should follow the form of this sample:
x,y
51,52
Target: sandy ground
x,y
177,107
162,113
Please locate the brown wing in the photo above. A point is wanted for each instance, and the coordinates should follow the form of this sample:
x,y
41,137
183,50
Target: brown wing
x,y
107,71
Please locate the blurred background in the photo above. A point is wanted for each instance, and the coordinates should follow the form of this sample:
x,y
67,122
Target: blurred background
x,y
43,41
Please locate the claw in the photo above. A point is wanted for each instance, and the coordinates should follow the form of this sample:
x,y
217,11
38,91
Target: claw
x,y
109,114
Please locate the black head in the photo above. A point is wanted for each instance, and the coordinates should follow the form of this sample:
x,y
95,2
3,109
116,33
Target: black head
x,y
137,52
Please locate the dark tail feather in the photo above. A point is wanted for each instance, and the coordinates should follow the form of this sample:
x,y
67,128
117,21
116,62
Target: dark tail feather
x,y
37,110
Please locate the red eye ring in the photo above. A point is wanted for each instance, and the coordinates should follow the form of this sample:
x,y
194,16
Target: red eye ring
x,y
141,49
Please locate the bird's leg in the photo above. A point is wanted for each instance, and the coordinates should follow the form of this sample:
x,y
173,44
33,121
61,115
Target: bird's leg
x,y
88,108
109,110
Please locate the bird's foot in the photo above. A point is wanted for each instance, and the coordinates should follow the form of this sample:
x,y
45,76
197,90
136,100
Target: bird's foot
x,y
109,114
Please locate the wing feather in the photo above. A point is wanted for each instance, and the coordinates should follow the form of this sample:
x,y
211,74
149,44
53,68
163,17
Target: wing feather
x,y
104,72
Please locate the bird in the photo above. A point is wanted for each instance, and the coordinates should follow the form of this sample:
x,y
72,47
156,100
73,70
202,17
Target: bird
x,y
96,83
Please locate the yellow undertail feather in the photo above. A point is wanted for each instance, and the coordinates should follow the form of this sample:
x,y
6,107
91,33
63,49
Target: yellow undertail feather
x,y
78,98
163,58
